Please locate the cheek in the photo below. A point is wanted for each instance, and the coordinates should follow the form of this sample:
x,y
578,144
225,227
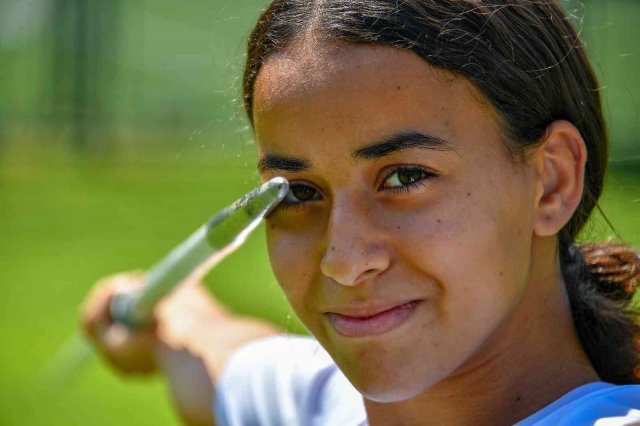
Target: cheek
x,y
282,253
475,243
293,256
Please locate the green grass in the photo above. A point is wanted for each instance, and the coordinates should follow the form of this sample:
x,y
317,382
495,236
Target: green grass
x,y
63,228
65,225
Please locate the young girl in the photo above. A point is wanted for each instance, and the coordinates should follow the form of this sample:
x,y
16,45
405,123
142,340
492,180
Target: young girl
x,y
443,156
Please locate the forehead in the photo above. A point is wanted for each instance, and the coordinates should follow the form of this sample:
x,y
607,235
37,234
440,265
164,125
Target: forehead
x,y
306,68
360,93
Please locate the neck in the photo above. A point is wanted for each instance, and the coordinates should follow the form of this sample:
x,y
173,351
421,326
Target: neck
x,y
533,359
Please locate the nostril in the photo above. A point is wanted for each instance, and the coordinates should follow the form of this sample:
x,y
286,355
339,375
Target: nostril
x,y
350,259
366,274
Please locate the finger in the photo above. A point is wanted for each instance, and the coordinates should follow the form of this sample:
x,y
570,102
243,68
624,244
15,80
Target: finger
x,y
129,352
94,312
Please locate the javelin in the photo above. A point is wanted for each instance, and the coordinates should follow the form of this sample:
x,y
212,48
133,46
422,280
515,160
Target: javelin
x,y
204,249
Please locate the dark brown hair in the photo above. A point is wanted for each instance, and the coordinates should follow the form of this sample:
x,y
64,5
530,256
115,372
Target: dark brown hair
x,y
527,60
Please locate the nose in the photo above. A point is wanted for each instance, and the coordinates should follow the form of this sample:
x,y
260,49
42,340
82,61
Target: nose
x,y
355,247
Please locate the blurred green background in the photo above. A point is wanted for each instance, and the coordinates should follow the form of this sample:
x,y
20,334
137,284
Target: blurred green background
x,y
121,131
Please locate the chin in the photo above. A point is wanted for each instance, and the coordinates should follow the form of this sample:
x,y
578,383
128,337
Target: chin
x,y
382,373
394,390
389,395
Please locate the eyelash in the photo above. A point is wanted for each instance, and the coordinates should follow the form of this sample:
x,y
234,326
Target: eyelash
x,y
293,206
299,205
426,174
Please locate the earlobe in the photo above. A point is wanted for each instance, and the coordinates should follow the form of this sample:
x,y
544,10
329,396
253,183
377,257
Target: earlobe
x,y
561,160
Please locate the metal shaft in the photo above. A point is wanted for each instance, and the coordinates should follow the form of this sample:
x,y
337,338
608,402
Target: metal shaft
x,y
209,244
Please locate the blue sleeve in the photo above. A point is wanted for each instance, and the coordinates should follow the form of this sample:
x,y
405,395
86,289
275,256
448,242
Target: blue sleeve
x,y
285,380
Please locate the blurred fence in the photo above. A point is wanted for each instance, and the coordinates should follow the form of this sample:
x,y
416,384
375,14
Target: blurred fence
x,y
96,75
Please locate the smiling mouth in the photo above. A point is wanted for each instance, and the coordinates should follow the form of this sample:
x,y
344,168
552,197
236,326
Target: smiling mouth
x,y
372,325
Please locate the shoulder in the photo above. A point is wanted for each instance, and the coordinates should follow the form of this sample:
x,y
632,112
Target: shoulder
x,y
599,403
285,380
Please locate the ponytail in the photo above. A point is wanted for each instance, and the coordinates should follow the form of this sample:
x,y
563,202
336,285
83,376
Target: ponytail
x,y
602,283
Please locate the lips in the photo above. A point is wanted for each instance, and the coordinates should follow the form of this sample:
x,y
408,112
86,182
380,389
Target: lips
x,y
362,324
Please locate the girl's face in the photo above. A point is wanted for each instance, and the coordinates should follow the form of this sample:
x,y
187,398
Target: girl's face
x,y
405,243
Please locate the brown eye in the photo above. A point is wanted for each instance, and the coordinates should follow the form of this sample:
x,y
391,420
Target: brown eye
x,y
406,177
300,193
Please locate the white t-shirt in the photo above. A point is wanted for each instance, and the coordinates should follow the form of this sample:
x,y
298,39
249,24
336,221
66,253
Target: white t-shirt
x,y
291,381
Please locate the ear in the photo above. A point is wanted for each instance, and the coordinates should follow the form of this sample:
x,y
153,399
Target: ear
x,y
560,165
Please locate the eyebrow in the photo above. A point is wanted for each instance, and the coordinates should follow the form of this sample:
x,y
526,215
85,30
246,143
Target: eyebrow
x,y
282,162
399,142
377,150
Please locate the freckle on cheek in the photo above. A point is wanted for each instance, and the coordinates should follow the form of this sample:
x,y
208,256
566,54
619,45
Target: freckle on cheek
x,y
439,221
